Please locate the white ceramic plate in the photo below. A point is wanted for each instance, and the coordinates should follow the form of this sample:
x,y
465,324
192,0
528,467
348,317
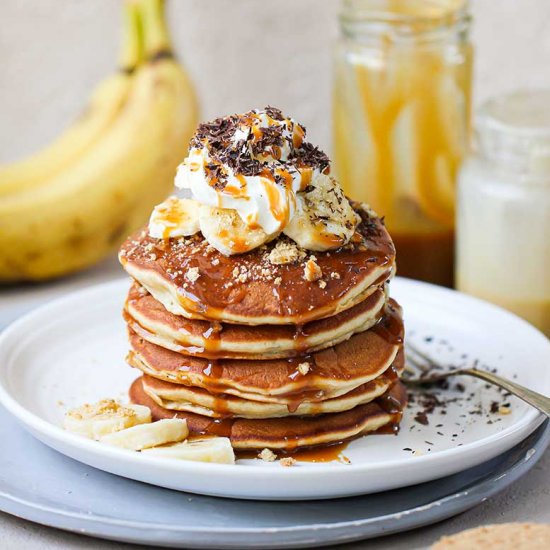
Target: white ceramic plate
x,y
72,351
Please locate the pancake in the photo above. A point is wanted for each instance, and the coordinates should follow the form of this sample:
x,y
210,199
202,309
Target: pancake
x,y
148,318
332,372
192,279
178,397
290,432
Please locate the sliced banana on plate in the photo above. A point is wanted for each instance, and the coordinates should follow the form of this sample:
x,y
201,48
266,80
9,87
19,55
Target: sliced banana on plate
x,y
224,229
216,449
105,417
144,436
174,217
324,218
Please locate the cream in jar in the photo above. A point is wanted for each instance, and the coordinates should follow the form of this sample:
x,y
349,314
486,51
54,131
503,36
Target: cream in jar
x,y
503,238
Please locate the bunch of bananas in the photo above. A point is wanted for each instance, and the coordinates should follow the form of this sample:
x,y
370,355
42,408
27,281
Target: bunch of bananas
x,y
69,205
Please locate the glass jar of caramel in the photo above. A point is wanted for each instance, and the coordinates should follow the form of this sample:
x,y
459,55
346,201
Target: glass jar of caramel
x,y
401,112
503,225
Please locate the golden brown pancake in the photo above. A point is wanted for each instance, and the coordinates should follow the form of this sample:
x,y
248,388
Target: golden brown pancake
x,y
148,318
192,279
330,372
178,397
290,432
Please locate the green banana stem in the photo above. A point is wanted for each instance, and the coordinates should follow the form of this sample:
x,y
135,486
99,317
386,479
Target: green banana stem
x,y
131,54
156,34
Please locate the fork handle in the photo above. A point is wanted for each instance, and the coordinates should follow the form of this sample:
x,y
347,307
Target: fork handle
x,y
537,400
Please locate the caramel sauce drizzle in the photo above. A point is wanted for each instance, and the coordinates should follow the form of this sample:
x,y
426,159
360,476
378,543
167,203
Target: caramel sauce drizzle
x,y
277,207
210,296
319,454
240,191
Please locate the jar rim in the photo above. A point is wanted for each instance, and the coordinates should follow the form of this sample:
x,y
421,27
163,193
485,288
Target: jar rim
x,y
409,16
514,129
520,113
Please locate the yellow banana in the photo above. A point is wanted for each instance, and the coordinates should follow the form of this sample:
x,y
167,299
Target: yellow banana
x,y
215,449
144,436
104,105
105,417
82,213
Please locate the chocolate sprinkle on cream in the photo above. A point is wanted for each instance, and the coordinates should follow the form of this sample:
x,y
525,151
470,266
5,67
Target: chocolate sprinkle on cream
x,y
218,136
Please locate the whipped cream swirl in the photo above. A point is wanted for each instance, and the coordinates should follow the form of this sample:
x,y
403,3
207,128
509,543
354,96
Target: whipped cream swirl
x,y
255,163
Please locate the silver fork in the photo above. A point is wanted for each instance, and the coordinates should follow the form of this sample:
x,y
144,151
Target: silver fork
x,y
422,369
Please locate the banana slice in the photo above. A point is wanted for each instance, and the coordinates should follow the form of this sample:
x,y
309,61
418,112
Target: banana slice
x,y
144,436
216,449
105,417
324,218
224,229
174,217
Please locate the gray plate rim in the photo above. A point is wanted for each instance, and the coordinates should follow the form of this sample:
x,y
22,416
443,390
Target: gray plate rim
x,y
161,534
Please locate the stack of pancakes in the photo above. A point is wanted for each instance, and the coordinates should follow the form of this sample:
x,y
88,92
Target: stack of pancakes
x,y
277,348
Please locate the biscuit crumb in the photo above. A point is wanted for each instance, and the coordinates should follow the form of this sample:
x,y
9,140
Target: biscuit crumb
x,y
287,461
303,368
334,275
152,257
322,284
216,261
278,281
504,410
105,407
192,274
242,278
312,271
267,455
235,272
286,252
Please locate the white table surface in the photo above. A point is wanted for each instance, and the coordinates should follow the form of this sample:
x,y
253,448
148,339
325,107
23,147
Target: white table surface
x,y
526,500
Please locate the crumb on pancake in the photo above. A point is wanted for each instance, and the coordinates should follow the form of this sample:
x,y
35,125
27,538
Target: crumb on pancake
x,y
334,275
192,274
241,274
287,461
312,271
286,252
303,368
267,455
322,284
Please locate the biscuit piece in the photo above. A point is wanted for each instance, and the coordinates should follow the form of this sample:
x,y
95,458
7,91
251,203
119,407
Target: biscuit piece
x,y
505,536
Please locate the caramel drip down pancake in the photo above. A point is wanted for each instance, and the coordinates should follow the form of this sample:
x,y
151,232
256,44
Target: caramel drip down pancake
x,y
291,432
324,374
149,319
191,399
192,279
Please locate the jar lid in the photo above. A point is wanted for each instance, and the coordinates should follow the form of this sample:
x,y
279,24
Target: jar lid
x,y
514,129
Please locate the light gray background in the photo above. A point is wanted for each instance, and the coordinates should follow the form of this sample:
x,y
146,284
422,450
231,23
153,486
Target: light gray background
x,y
240,54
